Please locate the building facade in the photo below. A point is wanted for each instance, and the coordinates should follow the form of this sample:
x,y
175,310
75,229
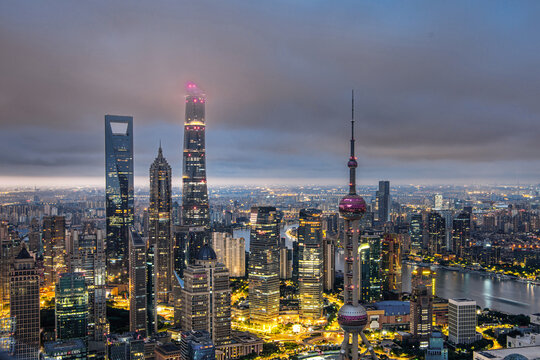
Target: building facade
x,y
264,266
159,229
137,284
119,195
231,252
195,212
54,248
71,307
391,265
461,321
24,307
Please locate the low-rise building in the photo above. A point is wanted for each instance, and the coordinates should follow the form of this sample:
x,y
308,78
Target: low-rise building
x,y
523,340
168,351
72,349
524,353
389,315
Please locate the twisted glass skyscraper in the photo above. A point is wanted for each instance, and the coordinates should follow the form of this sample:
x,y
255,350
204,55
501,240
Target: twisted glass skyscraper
x,y
195,213
119,194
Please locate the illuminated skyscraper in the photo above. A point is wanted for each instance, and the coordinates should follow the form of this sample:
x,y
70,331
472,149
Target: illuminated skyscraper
x,y
352,317
206,297
391,265
24,296
461,234
436,233
195,214
329,250
231,252
422,291
54,248
264,266
71,307
160,225
383,201
416,230
137,284
119,194
371,280
311,261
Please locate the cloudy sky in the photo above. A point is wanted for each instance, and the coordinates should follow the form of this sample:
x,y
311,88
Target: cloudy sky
x,y
447,92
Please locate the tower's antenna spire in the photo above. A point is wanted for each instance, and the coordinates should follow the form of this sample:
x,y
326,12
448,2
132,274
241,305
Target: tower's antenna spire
x,y
352,160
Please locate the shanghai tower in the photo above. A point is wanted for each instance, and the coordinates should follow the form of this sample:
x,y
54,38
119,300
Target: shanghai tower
x,y
195,215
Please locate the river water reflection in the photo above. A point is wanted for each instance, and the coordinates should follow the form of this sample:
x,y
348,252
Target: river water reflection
x,y
509,296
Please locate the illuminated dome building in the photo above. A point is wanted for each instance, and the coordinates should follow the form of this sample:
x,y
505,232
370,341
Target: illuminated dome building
x,y
352,317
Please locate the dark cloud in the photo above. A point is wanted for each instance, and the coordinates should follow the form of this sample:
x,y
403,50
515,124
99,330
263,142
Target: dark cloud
x,y
445,91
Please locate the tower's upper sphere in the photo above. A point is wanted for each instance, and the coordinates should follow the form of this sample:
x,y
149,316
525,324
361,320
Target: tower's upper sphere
x,y
352,163
352,207
352,319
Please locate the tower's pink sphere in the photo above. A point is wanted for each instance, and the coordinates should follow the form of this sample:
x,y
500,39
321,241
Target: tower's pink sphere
x,y
352,207
352,319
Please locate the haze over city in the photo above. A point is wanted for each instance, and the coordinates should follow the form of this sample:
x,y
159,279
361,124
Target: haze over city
x,y
446,92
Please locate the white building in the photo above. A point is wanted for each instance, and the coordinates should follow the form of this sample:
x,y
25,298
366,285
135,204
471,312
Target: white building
x,y
522,341
529,352
231,252
461,321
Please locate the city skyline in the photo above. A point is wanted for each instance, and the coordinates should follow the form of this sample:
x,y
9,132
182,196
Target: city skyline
x,y
428,118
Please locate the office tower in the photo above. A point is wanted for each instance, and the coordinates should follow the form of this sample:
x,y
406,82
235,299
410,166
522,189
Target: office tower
x,y
297,249
352,317
24,297
71,307
231,252
461,234
54,248
137,284
311,273
438,202
119,195
195,213
371,280
416,230
34,236
9,248
125,347
383,201
421,303
88,257
178,285
264,266
286,263
436,234
197,345
159,213
436,349
72,349
461,321
329,250
423,276
391,266
7,336
151,275
206,297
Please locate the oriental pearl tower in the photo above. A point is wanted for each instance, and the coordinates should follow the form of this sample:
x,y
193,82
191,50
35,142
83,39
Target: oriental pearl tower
x,y
352,316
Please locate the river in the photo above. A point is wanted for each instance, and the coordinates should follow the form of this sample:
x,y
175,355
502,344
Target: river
x,y
509,296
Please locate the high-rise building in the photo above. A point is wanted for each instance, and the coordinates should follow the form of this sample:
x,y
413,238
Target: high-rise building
x,y
206,297
195,213
286,263
436,233
9,248
352,317
436,349
416,230
371,281
383,201
311,272
54,248
197,345
151,290
137,284
71,307
24,307
461,321
129,346
421,303
461,234
438,202
230,251
34,236
119,194
264,266
88,257
329,250
160,225
391,265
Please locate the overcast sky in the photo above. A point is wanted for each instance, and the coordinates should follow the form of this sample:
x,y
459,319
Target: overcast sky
x,y
447,91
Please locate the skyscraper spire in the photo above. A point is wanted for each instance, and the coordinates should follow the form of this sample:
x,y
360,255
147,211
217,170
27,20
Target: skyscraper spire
x,y
352,164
